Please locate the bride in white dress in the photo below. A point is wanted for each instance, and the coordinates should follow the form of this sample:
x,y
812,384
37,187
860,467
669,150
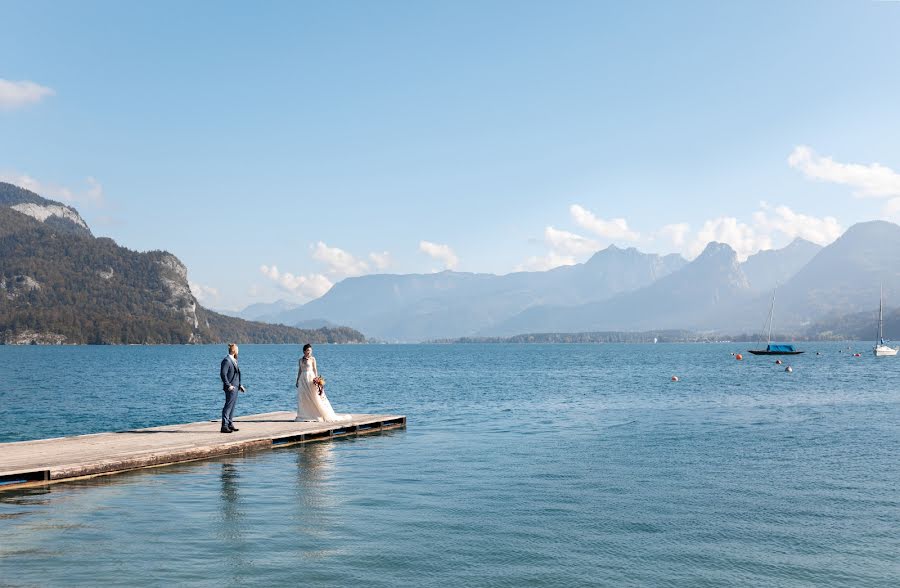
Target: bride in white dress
x,y
312,406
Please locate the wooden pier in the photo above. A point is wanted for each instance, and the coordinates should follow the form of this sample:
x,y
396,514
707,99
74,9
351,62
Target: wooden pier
x,y
30,463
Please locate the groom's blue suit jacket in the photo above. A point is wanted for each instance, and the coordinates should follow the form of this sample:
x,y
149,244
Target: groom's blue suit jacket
x,y
231,374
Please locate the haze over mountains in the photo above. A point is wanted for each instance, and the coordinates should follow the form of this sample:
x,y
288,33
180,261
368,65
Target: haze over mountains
x,y
845,276
418,307
775,266
626,290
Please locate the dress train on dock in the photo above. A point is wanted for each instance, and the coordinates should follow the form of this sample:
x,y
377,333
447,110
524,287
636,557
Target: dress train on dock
x,y
310,405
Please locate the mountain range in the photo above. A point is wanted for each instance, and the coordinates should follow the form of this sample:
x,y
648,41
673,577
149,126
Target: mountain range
x,y
625,290
60,284
417,307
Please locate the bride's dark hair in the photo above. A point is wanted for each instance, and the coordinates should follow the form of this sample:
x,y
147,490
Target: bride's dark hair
x,y
307,346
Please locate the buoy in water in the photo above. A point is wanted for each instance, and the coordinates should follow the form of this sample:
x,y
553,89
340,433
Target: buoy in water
x,y
856,355
739,357
788,369
674,378
778,362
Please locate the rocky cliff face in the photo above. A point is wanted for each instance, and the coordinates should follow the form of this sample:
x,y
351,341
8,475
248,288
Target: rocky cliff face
x,y
54,214
174,277
61,285
18,285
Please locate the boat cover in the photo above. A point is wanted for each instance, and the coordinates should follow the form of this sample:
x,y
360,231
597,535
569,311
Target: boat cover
x,y
781,348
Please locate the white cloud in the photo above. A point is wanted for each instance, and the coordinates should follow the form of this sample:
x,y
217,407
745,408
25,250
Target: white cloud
x,y
569,243
746,239
339,262
18,94
740,236
873,180
381,260
614,230
440,252
564,247
203,293
676,233
309,286
92,194
95,192
818,230
545,262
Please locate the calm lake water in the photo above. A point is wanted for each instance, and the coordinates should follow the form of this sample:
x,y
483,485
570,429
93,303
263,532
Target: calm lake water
x,y
522,465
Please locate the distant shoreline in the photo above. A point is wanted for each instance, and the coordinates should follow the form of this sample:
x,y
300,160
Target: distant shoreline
x,y
602,337
645,337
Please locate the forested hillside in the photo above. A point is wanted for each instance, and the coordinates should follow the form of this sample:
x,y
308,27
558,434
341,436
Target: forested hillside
x,y
59,285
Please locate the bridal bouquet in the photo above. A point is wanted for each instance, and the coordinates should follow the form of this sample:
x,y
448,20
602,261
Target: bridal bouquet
x,y
319,381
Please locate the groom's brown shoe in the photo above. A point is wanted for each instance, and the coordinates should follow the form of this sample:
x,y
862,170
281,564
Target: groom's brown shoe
x,y
225,430
234,429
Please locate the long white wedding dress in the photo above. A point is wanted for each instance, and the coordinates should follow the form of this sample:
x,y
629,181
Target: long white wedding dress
x,y
310,405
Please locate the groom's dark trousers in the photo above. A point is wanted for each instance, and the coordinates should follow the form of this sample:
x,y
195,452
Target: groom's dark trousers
x,y
231,383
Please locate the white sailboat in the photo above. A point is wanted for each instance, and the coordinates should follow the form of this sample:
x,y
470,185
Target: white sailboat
x,y
881,349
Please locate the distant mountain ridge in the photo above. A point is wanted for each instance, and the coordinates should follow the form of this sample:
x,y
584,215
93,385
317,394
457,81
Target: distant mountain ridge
x,y
263,310
418,307
59,284
846,276
766,269
626,290
680,300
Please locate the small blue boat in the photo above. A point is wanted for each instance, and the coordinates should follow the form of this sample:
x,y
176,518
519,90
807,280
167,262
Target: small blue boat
x,y
777,348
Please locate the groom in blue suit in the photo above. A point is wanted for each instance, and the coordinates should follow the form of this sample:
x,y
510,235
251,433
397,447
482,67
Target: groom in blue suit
x,y
231,384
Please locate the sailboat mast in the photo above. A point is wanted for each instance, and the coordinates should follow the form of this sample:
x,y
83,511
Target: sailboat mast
x,y
771,318
880,315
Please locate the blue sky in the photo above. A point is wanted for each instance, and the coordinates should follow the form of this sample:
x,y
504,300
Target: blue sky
x,y
277,148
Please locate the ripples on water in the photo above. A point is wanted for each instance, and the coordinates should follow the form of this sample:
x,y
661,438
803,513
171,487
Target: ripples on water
x,y
522,466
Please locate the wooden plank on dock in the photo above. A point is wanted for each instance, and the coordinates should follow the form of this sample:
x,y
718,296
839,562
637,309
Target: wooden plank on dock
x,y
29,463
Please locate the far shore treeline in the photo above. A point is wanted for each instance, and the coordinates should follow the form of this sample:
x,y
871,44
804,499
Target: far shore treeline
x,y
641,337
